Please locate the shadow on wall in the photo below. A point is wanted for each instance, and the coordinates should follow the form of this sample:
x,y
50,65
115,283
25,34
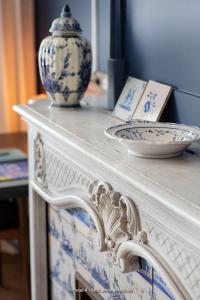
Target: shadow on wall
x,y
170,113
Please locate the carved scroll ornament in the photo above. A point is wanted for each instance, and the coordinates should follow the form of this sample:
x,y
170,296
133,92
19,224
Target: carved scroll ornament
x,y
118,213
40,165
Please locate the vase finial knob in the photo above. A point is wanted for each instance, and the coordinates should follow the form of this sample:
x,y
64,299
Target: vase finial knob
x,y
66,11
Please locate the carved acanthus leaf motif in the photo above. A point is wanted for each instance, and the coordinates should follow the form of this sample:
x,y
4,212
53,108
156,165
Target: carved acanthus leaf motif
x,y
40,173
118,213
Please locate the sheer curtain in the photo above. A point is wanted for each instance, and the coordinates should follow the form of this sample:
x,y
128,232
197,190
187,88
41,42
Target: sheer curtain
x,y
17,59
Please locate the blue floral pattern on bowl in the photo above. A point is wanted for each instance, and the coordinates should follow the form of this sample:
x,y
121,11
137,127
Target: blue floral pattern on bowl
x,y
164,140
166,134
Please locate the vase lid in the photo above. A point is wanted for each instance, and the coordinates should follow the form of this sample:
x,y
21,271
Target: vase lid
x,y
65,24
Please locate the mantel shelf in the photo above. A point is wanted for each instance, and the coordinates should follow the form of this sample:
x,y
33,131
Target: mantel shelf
x,y
173,183
140,208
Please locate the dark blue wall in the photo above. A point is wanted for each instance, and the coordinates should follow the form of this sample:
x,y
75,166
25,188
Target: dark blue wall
x,y
48,10
104,34
162,42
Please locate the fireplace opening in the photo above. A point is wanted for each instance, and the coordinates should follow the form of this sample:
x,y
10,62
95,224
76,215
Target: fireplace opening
x,y
84,291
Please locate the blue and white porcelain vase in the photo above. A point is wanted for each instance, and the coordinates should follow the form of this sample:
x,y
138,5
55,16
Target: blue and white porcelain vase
x,y
65,61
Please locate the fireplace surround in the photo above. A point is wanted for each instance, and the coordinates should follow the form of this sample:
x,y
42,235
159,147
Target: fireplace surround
x,y
128,226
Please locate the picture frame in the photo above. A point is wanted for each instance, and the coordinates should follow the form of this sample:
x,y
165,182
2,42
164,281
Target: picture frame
x,y
153,101
129,99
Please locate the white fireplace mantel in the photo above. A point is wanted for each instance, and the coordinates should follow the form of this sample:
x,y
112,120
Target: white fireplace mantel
x,y
156,202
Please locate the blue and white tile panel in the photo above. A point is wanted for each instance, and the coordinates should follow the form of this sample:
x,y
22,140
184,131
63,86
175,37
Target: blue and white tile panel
x,y
72,249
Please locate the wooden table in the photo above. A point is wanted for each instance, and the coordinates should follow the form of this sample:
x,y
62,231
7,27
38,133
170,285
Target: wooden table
x,y
16,140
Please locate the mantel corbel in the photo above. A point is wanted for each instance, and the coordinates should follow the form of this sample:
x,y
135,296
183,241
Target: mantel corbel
x,y
129,251
118,214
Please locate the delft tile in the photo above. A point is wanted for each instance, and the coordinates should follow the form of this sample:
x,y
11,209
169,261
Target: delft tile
x,y
82,215
83,256
54,262
101,262
66,215
160,295
152,101
141,288
100,270
54,235
80,218
54,223
55,273
53,256
82,221
100,273
62,282
79,252
57,293
67,240
160,288
146,270
81,227
54,213
119,284
68,279
144,280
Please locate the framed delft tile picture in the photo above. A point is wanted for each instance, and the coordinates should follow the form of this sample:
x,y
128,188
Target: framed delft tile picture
x,y
129,98
153,101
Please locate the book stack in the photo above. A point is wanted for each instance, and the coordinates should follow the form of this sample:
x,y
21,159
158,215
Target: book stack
x,y
13,168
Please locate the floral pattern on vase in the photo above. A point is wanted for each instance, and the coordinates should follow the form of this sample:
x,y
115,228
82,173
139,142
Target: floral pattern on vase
x,y
65,62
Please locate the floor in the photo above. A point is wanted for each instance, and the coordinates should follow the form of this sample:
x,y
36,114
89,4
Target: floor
x,y
11,288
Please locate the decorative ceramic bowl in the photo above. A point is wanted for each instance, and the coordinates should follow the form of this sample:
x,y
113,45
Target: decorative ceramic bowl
x,y
154,140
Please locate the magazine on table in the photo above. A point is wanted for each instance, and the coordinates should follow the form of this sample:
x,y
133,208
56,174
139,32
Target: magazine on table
x,y
13,168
